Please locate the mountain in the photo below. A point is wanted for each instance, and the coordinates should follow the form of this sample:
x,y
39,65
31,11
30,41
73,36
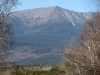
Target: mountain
x,y
41,16
42,32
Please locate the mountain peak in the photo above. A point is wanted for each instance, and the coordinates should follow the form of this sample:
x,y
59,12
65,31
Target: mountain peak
x,y
52,14
56,7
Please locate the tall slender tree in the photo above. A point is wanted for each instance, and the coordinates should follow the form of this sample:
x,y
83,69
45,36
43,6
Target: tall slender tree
x,y
6,32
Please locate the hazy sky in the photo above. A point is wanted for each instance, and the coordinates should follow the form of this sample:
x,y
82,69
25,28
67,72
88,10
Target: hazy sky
x,y
76,5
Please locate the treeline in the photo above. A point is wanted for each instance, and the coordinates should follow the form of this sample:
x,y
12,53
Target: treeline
x,y
31,70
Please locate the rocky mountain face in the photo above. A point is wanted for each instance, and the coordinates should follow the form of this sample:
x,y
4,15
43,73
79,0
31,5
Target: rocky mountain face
x,y
42,32
27,19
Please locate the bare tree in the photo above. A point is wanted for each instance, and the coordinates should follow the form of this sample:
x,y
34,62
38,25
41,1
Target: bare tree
x,y
6,39
6,32
84,58
90,38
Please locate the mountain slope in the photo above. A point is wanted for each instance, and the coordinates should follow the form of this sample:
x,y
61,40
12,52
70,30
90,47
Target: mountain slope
x,y
41,16
42,32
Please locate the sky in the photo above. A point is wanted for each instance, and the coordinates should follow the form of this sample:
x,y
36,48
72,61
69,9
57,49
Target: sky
x,y
75,5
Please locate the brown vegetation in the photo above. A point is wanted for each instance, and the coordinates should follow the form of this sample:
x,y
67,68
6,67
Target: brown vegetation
x,y
84,58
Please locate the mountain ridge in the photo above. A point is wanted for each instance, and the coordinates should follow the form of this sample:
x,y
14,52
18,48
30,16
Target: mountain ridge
x,y
40,16
41,33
